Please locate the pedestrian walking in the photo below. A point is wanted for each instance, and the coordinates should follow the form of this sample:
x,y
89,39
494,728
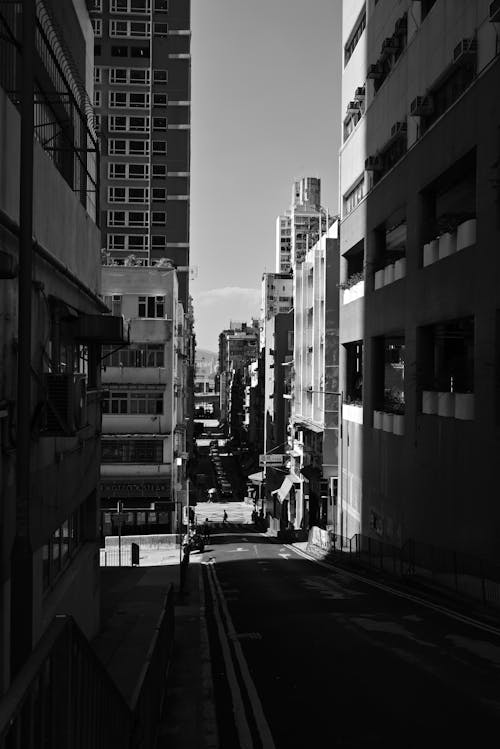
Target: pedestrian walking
x,y
206,531
224,519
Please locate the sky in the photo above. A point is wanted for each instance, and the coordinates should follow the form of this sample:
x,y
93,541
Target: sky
x,y
265,111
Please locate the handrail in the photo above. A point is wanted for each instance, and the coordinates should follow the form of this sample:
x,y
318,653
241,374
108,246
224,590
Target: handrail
x,y
63,696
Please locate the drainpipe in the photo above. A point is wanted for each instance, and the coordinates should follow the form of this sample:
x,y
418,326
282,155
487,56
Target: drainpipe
x,y
22,556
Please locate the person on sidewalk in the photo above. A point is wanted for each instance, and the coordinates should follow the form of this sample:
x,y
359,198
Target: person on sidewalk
x,y
224,519
206,531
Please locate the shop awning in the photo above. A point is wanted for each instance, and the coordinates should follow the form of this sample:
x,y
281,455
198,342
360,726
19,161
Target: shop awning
x,y
256,478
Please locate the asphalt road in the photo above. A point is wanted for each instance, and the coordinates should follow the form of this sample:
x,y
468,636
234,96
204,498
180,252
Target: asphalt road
x,y
306,656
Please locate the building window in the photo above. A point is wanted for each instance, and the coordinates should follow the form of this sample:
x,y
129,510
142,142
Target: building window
x,y
127,242
133,402
159,148
114,302
129,100
130,29
354,196
354,372
161,6
390,244
130,6
132,451
151,306
97,99
160,100
158,242
159,171
128,147
97,74
95,6
159,194
138,219
160,76
446,356
158,218
161,29
62,546
389,381
119,123
97,50
355,37
135,355
160,123
97,26
128,195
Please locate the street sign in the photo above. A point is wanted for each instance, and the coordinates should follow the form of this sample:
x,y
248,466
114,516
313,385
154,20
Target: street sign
x,y
272,459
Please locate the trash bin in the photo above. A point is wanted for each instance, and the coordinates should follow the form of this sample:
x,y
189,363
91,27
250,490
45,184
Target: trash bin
x,y
135,554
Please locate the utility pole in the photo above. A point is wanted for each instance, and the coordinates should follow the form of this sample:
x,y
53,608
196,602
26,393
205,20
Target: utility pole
x,y
21,611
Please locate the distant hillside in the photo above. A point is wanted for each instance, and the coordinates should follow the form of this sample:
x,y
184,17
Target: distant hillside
x,y
203,353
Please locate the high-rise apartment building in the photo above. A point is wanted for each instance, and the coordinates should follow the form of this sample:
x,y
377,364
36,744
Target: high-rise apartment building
x,y
142,102
419,318
302,225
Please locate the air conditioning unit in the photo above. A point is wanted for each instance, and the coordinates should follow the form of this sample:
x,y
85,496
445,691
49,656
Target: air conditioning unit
x,y
373,164
399,128
495,11
66,403
310,349
375,71
464,50
353,107
360,93
421,106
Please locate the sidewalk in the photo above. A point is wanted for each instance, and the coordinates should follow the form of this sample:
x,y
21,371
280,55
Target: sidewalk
x,y
131,603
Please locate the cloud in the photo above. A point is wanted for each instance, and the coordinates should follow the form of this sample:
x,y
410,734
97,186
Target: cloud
x,y
214,308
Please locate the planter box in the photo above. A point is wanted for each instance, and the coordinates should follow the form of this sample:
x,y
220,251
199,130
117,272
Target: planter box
x,y
466,234
447,244
400,268
446,404
355,292
387,421
431,251
351,412
464,406
378,419
379,279
398,424
429,402
388,274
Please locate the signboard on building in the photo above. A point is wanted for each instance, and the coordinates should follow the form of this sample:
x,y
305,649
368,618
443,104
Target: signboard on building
x,y
272,459
144,488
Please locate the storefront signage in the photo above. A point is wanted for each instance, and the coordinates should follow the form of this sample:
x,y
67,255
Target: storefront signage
x,y
136,488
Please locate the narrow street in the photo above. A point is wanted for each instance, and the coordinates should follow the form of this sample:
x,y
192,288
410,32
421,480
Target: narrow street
x,y
303,653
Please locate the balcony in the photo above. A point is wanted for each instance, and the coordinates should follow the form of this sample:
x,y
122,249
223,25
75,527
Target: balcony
x,y
390,422
392,272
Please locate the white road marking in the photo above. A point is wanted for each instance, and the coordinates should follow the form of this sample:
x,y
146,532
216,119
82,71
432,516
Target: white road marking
x,y
400,594
234,551
240,717
285,556
258,712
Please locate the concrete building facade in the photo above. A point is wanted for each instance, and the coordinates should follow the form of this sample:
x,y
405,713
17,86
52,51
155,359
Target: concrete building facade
x,y
144,447
49,560
419,232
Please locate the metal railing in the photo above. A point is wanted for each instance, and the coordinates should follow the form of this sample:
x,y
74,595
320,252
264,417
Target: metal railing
x,y
465,574
63,697
148,699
